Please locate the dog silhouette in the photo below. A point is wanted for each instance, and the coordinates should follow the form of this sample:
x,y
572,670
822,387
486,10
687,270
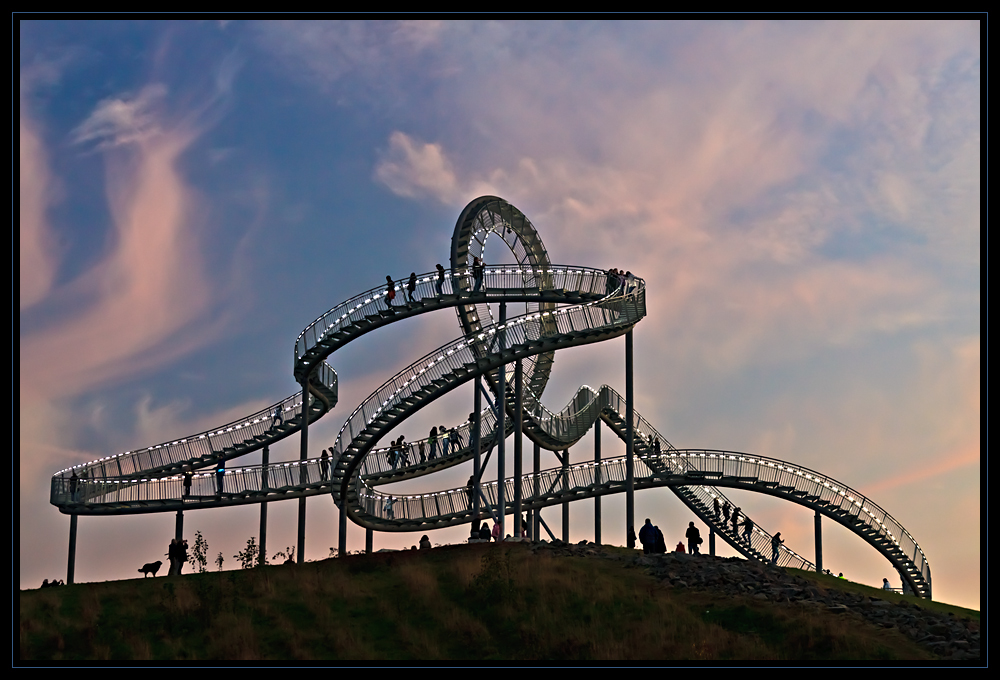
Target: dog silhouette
x,y
151,568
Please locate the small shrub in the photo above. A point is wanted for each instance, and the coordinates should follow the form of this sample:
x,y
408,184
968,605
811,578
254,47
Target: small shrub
x,y
200,552
249,557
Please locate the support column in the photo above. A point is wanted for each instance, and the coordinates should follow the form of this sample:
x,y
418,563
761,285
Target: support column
x,y
711,541
477,446
262,555
819,543
342,528
565,504
629,444
179,535
597,481
535,516
71,563
518,445
369,541
303,455
502,427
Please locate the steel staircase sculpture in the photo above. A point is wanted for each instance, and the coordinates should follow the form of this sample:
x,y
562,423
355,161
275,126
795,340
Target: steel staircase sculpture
x,y
566,307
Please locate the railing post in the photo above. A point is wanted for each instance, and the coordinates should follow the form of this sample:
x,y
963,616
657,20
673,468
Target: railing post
x,y
71,563
597,480
819,542
629,444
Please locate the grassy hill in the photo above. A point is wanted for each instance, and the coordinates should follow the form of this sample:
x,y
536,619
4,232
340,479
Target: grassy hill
x,y
470,602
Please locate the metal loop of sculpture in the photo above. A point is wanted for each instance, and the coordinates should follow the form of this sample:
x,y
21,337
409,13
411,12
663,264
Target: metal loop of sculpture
x,y
565,306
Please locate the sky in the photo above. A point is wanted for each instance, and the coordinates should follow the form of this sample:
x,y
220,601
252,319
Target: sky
x,y
802,199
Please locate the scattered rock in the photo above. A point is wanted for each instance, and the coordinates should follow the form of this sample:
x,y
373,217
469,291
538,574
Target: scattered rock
x,y
942,634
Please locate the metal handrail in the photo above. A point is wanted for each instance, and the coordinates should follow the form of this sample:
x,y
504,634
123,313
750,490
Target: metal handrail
x,y
204,448
496,277
460,354
595,309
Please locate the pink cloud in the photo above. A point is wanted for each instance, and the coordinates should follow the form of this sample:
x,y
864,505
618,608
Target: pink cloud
x,y
38,253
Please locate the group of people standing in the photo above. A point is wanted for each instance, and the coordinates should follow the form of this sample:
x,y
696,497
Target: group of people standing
x,y
441,441
619,280
480,532
653,543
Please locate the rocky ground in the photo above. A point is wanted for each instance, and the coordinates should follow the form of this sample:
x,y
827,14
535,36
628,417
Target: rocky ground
x,y
944,634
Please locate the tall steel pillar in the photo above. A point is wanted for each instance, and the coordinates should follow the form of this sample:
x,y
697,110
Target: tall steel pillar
x,y
303,455
71,563
597,481
342,528
262,554
518,445
711,541
629,443
477,406
565,504
535,516
179,534
819,543
502,426
369,541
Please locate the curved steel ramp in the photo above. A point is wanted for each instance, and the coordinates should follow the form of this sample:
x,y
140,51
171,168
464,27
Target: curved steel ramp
x,y
566,306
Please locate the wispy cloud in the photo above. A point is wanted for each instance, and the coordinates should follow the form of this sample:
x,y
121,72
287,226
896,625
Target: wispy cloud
x,y
151,283
38,250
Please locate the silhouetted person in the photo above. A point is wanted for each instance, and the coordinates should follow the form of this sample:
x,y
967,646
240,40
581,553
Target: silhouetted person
x,y
324,465
220,474
470,489
725,512
411,286
775,545
477,273
693,538
188,475
440,279
390,293
660,544
747,530
647,537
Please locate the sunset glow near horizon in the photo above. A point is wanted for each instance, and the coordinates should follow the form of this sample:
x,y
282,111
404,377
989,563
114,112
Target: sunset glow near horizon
x,y
801,198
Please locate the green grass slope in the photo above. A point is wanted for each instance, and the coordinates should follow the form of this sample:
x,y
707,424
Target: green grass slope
x,y
473,603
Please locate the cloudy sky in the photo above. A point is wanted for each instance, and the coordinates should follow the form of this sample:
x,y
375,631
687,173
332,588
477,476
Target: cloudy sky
x,y
802,198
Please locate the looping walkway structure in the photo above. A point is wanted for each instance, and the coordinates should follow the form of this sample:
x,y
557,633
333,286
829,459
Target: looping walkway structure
x,y
565,306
